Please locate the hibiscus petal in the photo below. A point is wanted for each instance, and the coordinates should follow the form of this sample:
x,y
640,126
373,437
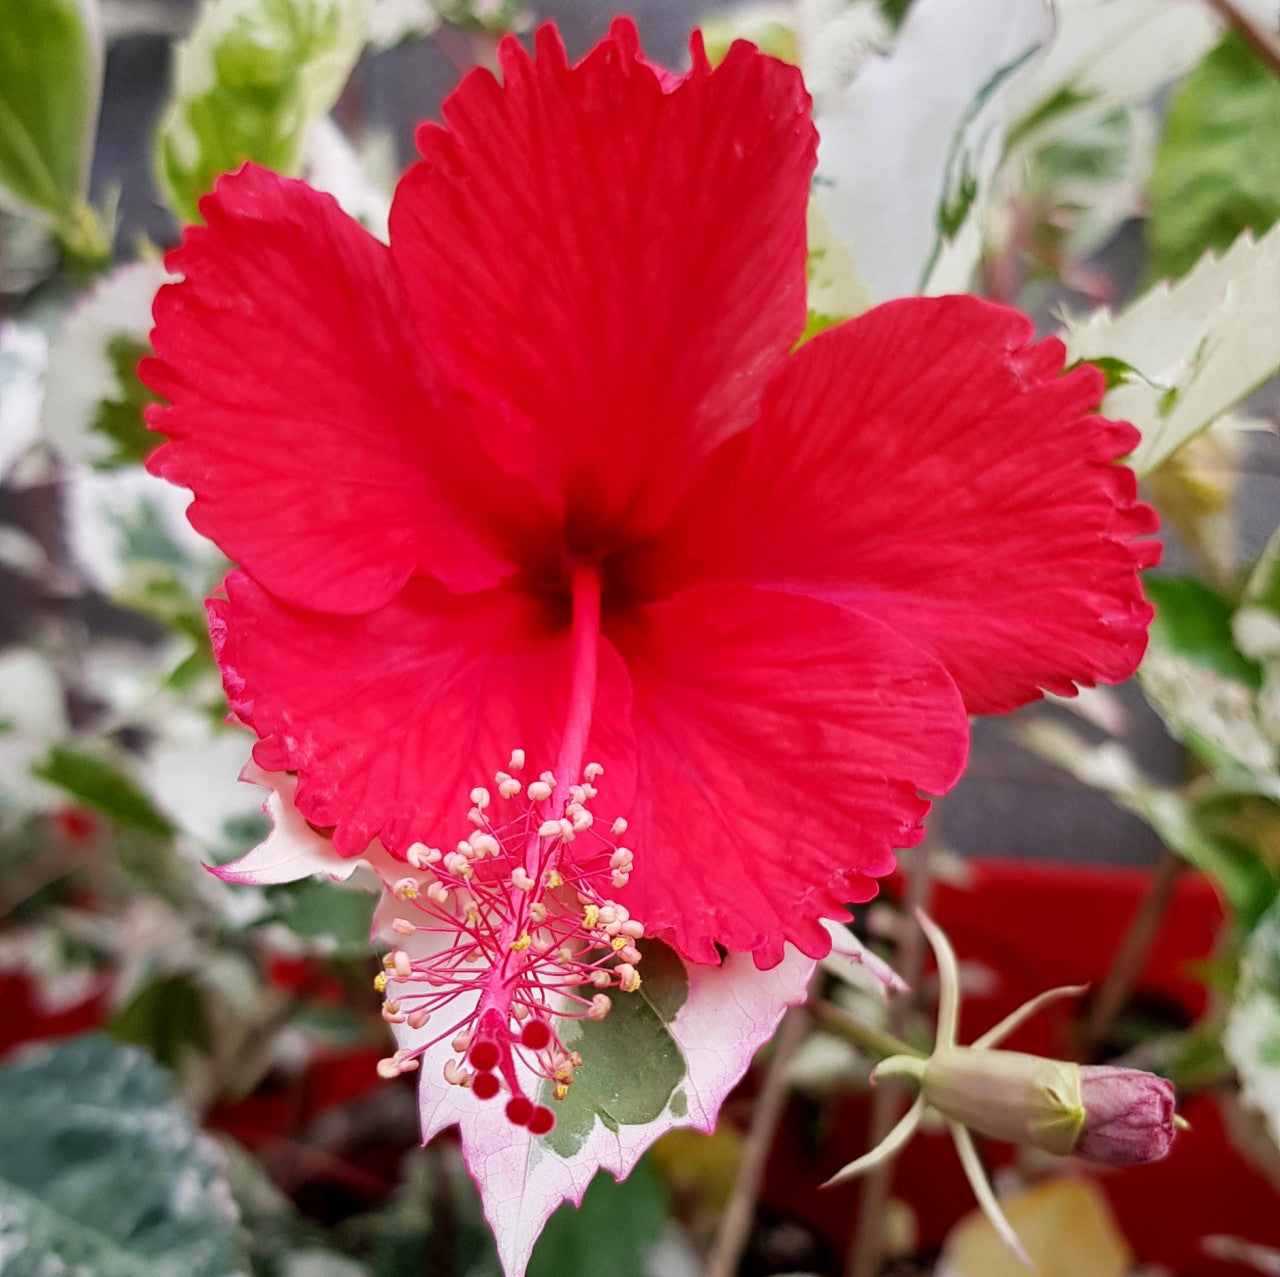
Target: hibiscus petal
x,y
782,741
930,466
391,718
301,414
613,258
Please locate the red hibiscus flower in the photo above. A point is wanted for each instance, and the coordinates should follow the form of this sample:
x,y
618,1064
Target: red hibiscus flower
x,y
548,472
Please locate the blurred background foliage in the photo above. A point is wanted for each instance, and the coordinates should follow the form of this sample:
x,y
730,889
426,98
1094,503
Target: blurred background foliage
x,y
209,1104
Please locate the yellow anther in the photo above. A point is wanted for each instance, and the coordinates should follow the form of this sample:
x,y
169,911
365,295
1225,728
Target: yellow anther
x,y
521,943
628,977
380,982
619,942
554,880
562,1089
590,916
473,915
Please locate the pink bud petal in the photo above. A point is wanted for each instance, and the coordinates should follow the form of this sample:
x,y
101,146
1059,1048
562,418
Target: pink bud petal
x,y
1128,1116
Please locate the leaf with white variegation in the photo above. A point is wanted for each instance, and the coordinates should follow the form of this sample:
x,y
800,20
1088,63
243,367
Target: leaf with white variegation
x,y
293,850
835,293
1252,1036
1199,682
93,400
1104,55
1245,878
665,1057
102,1172
1183,354
248,83
907,149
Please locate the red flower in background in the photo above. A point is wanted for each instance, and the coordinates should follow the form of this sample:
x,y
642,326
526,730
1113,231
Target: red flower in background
x,y
568,390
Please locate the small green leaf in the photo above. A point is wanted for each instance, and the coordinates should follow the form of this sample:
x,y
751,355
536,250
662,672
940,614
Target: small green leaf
x,y
248,84
120,419
50,81
633,1064
612,1232
1115,371
102,786
102,1173
166,1018
334,918
1217,170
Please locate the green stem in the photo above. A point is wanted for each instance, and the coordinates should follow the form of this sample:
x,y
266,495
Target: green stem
x,y
873,1041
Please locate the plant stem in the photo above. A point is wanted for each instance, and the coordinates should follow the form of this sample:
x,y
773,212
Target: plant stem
x,y
735,1223
1134,946
871,1041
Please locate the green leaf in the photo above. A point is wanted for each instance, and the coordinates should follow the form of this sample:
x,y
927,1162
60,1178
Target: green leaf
x,y
333,918
167,1018
50,82
613,1230
1252,1036
248,83
1217,170
102,1172
633,1064
120,419
1186,353
102,786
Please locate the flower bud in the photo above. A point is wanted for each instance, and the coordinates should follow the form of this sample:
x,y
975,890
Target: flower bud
x,y
1004,1095
1128,1116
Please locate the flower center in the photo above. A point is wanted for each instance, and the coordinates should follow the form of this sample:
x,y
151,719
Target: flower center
x,y
509,935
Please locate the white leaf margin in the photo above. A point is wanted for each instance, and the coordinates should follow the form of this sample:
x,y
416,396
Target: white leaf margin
x,y
893,142
730,1012
293,850
80,377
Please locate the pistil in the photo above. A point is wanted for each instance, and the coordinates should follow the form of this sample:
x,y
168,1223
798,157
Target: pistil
x,y
584,663
513,931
